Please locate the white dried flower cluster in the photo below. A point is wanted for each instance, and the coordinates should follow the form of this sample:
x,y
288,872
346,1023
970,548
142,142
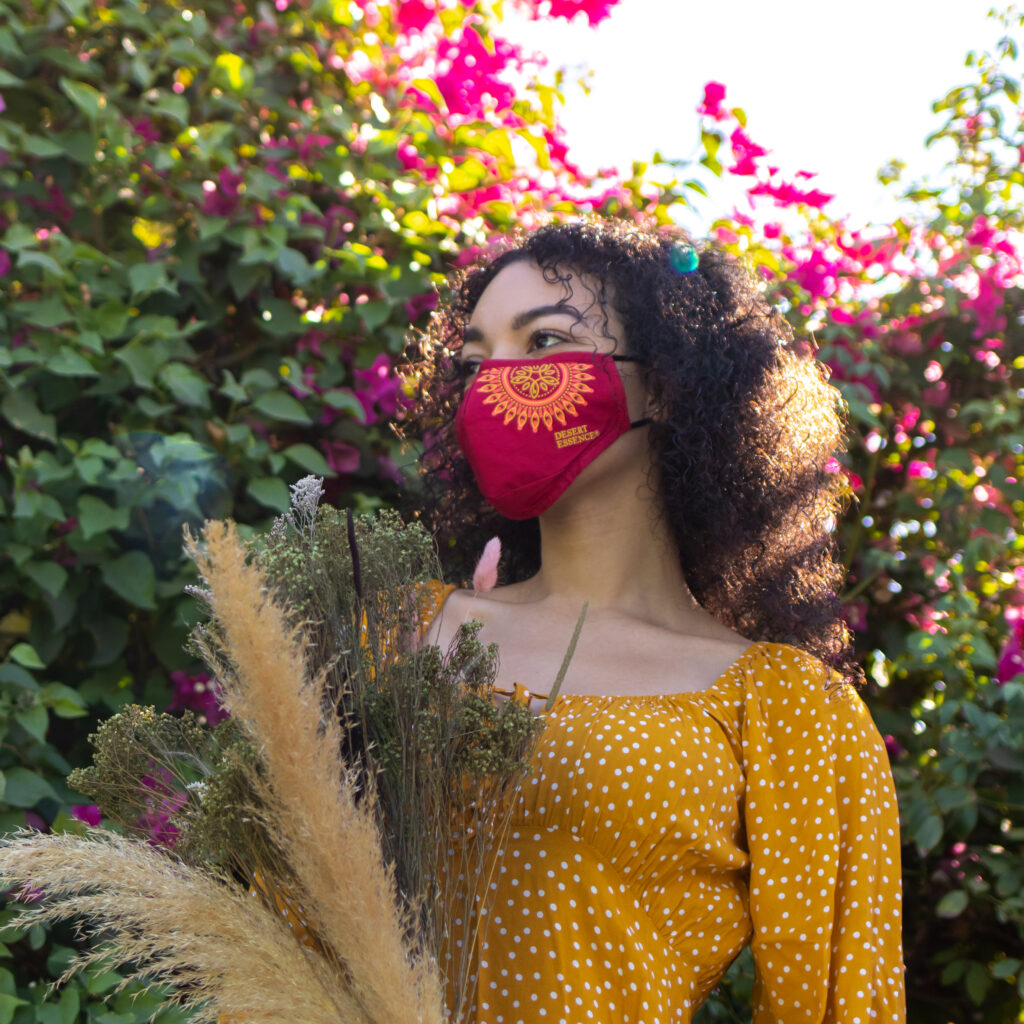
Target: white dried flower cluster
x,y
306,495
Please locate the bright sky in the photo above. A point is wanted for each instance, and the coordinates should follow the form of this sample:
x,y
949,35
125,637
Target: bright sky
x,y
837,88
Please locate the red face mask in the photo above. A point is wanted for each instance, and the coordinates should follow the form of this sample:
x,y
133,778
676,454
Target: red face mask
x,y
528,428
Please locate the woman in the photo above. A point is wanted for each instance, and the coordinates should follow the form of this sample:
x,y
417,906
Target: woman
x,y
644,434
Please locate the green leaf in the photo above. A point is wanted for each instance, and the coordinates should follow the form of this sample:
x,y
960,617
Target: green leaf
x,y
17,676
243,277
18,236
96,516
270,491
280,318
68,363
173,106
48,312
1006,968
232,389
63,701
49,576
30,504
25,655
34,721
30,258
143,359
342,398
187,386
293,264
39,146
66,1010
929,833
103,981
25,788
978,983
374,313
89,100
953,904
132,577
278,405
146,278
21,412
306,456
110,319
8,1004
429,88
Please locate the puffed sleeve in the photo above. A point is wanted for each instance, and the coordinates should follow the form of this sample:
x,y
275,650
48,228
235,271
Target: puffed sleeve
x,y
823,836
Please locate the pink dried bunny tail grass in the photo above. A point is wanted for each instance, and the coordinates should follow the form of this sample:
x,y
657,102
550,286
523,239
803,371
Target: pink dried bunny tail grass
x,y
485,575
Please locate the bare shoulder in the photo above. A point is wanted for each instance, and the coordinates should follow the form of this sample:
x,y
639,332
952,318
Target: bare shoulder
x,y
463,605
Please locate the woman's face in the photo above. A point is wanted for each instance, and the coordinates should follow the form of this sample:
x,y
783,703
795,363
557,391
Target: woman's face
x,y
521,315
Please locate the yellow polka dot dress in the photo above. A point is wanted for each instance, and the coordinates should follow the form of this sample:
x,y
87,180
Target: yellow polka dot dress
x,y
659,835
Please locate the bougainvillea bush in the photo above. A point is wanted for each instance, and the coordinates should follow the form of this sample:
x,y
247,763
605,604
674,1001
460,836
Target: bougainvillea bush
x,y
922,325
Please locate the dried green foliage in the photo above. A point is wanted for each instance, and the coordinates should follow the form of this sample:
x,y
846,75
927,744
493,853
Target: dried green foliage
x,y
363,780
170,778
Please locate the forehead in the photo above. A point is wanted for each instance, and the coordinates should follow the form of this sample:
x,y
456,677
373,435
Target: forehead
x,y
523,286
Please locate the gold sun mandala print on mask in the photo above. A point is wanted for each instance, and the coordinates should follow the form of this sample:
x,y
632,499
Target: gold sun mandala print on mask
x,y
536,392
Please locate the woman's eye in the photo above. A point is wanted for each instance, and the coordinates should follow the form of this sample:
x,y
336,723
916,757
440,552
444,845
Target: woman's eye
x,y
545,339
468,368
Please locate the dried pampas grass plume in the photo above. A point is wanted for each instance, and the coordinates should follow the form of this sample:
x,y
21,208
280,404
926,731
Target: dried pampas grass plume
x,y
332,842
223,951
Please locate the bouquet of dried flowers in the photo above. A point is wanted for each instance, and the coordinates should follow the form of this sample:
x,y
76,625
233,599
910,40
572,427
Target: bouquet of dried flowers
x,y
324,853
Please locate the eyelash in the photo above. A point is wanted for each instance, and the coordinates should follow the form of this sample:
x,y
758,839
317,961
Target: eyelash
x,y
468,367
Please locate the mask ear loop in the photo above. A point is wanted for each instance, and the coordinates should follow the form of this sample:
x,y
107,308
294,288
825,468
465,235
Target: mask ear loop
x,y
647,419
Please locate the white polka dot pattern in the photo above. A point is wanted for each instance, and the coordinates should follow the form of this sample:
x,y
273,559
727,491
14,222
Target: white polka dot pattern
x,y
658,835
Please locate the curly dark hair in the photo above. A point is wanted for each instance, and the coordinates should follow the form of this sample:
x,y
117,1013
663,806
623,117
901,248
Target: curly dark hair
x,y
744,441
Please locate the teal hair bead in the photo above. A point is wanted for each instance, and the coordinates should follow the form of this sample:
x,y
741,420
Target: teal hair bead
x,y
683,258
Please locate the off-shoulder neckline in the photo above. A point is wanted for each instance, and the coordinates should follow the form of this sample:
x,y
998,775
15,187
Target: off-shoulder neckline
x,y
682,694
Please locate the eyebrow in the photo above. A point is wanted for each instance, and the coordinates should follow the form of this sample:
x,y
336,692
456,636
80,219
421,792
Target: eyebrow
x,y
520,320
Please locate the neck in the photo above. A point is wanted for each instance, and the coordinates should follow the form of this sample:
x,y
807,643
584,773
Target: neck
x,y
613,547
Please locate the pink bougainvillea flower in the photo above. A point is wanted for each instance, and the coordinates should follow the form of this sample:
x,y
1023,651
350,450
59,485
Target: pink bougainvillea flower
x,y
788,194
420,304
1011,657
343,458
5,262
3,106
377,389
894,748
36,821
413,16
162,802
223,197
196,693
595,10
745,151
89,813
469,74
711,105
144,128
856,615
